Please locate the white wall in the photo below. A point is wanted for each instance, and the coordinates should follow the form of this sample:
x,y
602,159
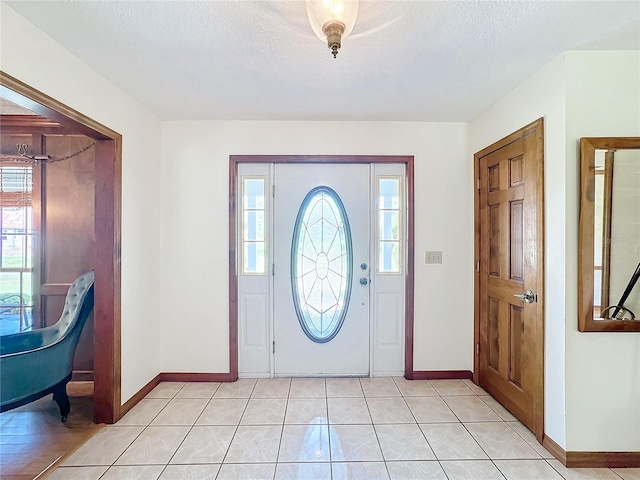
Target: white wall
x,y
34,58
542,95
592,380
603,369
195,206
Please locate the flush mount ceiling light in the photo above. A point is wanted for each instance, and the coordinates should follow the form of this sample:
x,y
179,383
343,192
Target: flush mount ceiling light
x,y
332,20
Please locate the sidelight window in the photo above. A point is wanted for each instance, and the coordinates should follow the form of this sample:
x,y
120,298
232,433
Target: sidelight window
x,y
253,226
389,224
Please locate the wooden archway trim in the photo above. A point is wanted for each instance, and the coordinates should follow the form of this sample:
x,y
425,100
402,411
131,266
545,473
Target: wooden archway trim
x,y
107,221
234,160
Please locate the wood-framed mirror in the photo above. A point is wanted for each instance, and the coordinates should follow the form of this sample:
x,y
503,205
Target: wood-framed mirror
x,y
609,235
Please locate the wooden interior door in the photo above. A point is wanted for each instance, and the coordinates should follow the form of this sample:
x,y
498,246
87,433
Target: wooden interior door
x,y
509,323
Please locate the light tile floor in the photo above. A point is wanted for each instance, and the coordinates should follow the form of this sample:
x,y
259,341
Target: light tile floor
x,y
307,428
32,437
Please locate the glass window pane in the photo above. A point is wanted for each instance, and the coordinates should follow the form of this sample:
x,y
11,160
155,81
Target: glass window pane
x,y
260,258
12,251
27,301
16,225
389,225
27,288
389,193
254,260
253,225
27,319
253,193
29,252
14,219
9,284
250,256
29,219
389,257
16,178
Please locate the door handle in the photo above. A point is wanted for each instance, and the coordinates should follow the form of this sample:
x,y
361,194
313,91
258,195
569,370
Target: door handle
x,y
527,296
364,281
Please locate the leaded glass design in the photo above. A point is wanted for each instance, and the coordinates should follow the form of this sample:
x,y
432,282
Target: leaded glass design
x,y
321,264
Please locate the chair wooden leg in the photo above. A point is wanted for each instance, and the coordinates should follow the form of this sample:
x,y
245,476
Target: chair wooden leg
x,y
62,399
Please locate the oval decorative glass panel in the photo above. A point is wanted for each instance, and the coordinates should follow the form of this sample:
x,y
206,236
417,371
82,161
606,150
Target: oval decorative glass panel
x,y
321,264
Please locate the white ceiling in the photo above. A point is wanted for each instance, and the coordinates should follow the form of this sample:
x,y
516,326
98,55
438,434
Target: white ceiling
x,y
259,60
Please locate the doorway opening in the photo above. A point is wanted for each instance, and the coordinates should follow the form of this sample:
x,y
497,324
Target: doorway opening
x,y
106,222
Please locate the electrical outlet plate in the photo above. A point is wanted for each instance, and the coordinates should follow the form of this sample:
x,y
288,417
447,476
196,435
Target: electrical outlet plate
x,y
432,257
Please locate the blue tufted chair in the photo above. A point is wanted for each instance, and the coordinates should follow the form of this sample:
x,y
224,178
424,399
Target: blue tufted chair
x,y
36,363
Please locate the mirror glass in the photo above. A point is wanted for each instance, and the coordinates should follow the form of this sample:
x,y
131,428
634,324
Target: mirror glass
x,y
616,292
609,269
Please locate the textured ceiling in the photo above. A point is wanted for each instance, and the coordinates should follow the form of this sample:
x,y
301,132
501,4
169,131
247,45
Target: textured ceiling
x,y
259,60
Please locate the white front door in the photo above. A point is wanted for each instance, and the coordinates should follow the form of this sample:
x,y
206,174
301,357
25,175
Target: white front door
x,y
322,261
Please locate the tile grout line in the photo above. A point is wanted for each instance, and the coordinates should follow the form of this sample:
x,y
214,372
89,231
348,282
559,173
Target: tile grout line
x,y
500,421
558,472
284,417
492,460
616,473
326,402
141,432
420,429
415,423
513,429
364,397
236,429
555,470
470,434
454,414
190,429
326,408
288,398
375,432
